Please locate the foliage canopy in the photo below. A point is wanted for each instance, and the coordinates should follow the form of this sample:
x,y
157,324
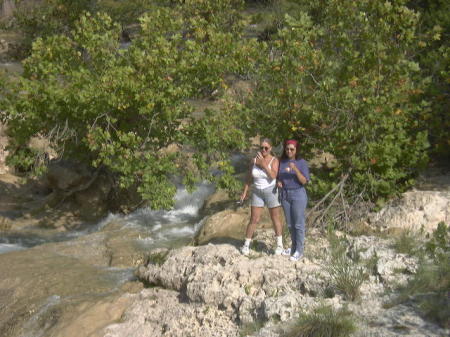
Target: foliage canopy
x,y
343,77
120,108
340,77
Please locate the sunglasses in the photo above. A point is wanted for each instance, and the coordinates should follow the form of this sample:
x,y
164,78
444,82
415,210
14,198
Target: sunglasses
x,y
265,148
290,149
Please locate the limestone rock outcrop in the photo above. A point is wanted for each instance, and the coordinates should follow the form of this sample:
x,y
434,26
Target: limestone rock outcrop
x,y
232,290
218,275
159,312
417,209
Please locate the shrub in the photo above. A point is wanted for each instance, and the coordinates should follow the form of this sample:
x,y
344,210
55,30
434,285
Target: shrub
x,y
46,18
346,275
324,321
429,288
339,77
371,264
251,328
407,242
157,258
433,55
119,109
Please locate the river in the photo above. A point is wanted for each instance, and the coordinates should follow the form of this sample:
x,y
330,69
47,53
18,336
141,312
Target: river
x,y
47,277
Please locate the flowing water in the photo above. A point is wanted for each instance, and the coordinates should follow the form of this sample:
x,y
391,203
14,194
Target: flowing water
x,y
159,228
46,277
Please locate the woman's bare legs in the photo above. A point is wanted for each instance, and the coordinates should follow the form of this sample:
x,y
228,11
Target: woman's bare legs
x,y
255,215
275,215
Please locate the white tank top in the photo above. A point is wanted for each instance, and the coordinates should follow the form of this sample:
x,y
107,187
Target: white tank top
x,y
260,178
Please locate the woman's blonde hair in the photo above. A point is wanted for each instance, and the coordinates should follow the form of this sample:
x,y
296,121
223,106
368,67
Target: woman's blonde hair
x,y
266,140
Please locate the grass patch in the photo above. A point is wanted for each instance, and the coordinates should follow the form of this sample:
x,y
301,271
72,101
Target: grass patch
x,y
428,291
359,228
346,275
407,243
371,264
329,292
157,258
256,246
248,329
324,321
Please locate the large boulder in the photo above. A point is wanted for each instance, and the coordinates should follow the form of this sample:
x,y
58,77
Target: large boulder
x,y
159,312
416,210
245,289
270,289
65,175
85,192
226,221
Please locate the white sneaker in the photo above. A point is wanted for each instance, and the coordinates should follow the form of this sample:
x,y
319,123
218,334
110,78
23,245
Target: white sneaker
x,y
297,256
279,250
286,252
245,250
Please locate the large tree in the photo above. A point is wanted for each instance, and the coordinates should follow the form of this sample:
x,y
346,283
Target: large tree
x,y
340,76
120,108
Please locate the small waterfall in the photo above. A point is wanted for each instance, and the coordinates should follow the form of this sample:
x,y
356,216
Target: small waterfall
x,y
159,228
18,242
10,247
166,227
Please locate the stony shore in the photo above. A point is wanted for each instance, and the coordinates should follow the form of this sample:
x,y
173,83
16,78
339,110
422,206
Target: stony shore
x,y
211,289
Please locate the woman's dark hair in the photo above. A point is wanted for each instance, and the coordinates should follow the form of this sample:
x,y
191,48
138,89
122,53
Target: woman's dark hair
x,y
297,152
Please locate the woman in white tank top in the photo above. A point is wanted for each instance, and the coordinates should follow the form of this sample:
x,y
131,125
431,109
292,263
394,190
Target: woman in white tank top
x,y
262,176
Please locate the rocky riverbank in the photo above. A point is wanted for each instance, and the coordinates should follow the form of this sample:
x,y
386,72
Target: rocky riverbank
x,y
213,290
105,283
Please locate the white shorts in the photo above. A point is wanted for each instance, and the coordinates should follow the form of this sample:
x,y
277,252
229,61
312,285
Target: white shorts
x,y
265,197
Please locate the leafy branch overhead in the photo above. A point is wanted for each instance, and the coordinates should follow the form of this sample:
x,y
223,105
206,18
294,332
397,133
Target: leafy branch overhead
x,y
355,79
124,106
340,76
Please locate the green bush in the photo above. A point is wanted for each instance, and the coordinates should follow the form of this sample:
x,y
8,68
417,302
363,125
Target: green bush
x,y
345,274
324,321
157,258
46,18
339,78
433,55
124,12
407,242
119,109
429,288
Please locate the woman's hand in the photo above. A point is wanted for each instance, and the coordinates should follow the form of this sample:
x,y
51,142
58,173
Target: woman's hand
x,y
243,196
259,160
292,165
298,173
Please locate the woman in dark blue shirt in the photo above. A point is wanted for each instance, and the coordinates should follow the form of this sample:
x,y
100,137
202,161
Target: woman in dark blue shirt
x,y
292,177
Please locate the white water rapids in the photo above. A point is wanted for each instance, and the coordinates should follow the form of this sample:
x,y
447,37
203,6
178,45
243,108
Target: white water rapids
x,y
67,271
159,228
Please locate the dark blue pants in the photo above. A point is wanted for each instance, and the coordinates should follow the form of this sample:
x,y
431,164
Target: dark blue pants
x,y
294,205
